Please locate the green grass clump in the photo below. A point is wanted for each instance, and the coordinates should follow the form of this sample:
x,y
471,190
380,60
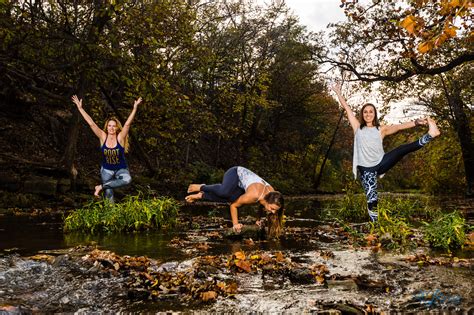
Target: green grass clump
x,y
410,208
132,214
446,231
392,226
353,207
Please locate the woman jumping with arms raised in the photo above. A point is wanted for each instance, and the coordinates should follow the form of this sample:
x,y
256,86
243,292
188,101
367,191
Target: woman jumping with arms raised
x,y
113,145
369,158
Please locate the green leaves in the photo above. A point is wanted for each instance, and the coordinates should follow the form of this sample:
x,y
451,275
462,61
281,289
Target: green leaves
x,y
447,231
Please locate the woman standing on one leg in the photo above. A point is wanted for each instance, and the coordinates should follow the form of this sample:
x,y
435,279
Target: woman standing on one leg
x,y
369,159
113,145
241,186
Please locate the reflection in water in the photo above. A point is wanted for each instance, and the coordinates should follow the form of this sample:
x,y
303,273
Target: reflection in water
x,y
152,244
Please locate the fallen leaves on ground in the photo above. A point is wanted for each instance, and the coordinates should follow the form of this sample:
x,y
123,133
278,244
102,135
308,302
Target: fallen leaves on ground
x,y
422,259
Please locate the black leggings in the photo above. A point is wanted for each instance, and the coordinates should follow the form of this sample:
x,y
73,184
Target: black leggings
x,y
368,175
228,191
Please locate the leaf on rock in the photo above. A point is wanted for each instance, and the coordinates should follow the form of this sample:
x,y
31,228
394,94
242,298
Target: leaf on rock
x,y
208,296
239,255
244,265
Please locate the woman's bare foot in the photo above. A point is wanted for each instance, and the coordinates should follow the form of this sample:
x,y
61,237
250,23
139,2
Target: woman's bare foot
x,y
433,129
194,197
98,188
421,121
194,188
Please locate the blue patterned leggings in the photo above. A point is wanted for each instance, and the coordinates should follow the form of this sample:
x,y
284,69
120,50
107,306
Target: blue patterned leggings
x,y
114,179
368,175
228,191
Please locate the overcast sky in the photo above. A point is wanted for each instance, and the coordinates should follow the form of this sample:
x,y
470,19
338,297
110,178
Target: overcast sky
x,y
316,14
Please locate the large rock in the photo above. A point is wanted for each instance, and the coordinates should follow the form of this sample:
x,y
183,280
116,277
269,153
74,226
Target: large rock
x,y
41,185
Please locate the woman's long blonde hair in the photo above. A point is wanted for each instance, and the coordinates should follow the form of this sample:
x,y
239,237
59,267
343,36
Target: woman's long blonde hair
x,y
275,220
126,145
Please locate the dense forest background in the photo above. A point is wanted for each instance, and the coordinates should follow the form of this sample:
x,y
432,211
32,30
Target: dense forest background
x,y
224,83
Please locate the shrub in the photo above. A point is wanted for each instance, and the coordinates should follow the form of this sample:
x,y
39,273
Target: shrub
x,y
447,231
392,227
352,207
132,214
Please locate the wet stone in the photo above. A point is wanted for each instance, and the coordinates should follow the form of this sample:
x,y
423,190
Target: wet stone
x,y
301,276
168,267
346,285
62,260
138,294
349,309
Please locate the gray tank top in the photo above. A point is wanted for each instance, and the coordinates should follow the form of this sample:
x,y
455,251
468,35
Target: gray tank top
x,y
247,178
368,148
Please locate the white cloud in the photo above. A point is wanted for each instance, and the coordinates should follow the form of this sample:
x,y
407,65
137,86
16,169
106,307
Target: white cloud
x,y
317,14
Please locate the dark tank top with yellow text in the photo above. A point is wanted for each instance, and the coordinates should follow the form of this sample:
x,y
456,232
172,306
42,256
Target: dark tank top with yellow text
x,y
113,158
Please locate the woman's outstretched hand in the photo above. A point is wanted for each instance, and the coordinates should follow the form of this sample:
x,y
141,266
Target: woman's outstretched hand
x,y
337,87
237,227
137,101
77,101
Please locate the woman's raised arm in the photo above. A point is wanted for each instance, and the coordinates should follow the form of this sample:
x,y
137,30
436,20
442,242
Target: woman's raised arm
x,y
97,131
123,134
350,114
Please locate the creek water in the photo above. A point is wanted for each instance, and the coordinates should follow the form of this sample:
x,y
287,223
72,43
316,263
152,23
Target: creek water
x,y
363,280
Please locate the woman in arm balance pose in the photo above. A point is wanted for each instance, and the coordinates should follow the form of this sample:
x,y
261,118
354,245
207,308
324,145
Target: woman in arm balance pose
x,y
241,186
369,158
113,146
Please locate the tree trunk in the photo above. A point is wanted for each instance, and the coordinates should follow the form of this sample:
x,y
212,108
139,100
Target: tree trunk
x,y
317,182
461,123
70,151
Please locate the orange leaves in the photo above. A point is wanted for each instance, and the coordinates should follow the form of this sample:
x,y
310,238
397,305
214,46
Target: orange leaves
x,y
439,25
449,7
450,31
256,261
438,40
229,289
208,296
422,260
370,239
40,257
425,47
410,23
318,271
241,262
244,265
279,257
239,255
